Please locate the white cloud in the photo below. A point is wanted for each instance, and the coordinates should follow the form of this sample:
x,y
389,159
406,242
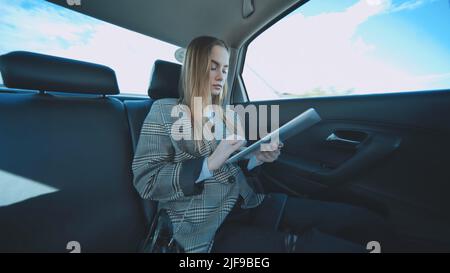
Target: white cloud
x,y
50,30
40,27
131,55
409,5
300,54
296,55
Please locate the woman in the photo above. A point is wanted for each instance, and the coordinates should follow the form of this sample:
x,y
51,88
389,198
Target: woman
x,y
213,205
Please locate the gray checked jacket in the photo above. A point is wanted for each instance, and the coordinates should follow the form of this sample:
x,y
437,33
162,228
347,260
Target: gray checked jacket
x,y
165,170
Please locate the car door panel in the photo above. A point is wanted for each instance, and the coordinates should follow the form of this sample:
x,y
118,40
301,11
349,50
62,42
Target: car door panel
x,y
387,152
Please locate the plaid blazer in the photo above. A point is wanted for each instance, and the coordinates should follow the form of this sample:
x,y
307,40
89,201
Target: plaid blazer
x,y
165,170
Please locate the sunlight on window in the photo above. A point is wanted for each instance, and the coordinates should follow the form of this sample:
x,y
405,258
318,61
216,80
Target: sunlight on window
x,y
43,27
15,189
348,47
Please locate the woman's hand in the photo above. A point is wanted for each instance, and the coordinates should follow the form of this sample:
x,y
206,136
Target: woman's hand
x,y
223,151
271,155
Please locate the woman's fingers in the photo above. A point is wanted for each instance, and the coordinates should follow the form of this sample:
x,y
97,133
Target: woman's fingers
x,y
273,146
236,145
273,155
235,137
270,156
239,143
261,157
235,141
267,156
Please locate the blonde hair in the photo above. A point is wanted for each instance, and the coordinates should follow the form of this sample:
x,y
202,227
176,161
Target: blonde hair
x,y
195,83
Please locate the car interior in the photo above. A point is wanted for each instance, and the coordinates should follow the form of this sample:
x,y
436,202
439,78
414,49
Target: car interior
x,y
65,124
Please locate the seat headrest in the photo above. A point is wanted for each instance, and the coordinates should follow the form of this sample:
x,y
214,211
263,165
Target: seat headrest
x,y
164,80
27,70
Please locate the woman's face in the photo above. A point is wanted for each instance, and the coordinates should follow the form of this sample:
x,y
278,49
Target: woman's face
x,y
219,69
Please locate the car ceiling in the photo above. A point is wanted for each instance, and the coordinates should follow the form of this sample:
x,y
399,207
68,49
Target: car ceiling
x,y
178,21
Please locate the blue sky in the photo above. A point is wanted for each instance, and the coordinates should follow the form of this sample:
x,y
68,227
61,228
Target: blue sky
x,y
422,29
363,45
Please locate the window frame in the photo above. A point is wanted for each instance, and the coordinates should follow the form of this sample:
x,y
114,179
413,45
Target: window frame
x,y
243,53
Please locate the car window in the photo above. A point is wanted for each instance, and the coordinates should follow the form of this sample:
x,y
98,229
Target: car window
x,y
43,27
350,47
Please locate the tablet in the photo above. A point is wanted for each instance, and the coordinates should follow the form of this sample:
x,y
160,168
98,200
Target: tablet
x,y
291,128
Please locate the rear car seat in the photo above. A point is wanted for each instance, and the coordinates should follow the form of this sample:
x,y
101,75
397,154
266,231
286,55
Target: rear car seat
x,y
80,145
164,83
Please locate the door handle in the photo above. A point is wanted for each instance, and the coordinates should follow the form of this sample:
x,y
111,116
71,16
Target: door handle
x,y
379,147
334,138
